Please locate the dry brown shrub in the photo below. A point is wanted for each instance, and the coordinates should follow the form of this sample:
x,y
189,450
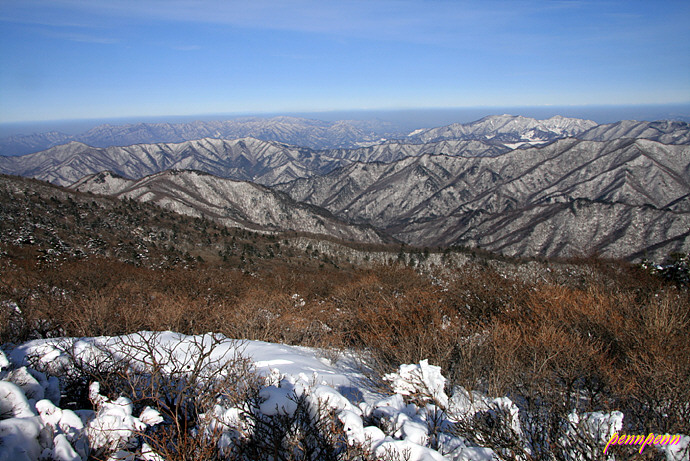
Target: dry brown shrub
x,y
397,317
657,389
478,292
562,337
596,348
611,333
256,316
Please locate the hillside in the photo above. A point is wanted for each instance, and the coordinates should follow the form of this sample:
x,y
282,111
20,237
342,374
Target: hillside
x,y
96,289
512,185
619,198
509,130
51,225
246,159
228,202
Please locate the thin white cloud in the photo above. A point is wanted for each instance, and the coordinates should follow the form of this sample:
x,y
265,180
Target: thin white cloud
x,y
405,20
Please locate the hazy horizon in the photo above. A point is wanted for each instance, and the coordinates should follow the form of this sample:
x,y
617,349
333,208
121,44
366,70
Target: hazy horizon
x,y
405,119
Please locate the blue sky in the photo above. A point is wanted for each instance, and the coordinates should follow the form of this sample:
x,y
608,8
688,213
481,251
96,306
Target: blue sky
x,y
69,59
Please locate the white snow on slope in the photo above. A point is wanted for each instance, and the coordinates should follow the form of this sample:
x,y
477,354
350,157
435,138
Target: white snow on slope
x,y
287,360
33,426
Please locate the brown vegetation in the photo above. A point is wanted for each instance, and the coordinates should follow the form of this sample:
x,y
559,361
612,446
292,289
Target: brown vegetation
x,y
588,335
611,338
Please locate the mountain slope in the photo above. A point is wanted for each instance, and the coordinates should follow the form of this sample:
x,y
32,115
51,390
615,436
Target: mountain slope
x,y
53,224
507,129
514,131
665,131
496,202
396,150
245,159
232,203
242,159
26,144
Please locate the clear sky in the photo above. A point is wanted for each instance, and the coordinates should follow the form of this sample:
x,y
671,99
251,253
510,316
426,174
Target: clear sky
x,y
66,59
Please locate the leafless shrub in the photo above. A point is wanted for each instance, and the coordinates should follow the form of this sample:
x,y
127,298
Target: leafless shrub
x,y
187,382
610,338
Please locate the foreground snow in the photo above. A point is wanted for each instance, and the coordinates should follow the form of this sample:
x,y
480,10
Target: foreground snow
x,y
416,417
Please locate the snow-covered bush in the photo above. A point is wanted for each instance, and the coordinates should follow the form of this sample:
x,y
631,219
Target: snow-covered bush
x,y
155,396
471,426
422,383
168,396
33,427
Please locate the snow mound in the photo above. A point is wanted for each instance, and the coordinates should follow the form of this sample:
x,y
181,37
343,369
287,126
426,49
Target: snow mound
x,y
416,422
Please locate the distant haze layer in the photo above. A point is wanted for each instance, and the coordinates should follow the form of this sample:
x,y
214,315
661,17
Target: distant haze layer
x,y
404,119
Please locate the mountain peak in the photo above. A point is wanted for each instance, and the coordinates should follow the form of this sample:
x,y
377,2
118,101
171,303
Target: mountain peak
x,y
511,130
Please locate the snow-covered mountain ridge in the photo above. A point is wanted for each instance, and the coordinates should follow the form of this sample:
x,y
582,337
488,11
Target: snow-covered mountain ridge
x,y
232,203
271,162
622,190
517,130
618,198
245,159
241,159
508,129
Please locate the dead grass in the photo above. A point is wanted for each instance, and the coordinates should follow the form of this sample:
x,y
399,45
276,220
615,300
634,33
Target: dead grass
x,y
610,338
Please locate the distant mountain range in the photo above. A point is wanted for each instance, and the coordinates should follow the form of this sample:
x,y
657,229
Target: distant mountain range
x,y
507,130
247,159
315,134
516,131
272,162
514,185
